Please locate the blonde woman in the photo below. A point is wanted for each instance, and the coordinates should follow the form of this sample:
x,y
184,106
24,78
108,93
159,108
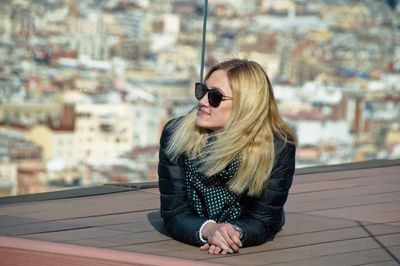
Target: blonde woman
x,y
225,168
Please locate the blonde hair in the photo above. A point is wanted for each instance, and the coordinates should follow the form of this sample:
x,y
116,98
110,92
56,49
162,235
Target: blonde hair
x,y
249,132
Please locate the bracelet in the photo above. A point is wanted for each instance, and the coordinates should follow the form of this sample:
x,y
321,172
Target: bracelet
x,y
201,229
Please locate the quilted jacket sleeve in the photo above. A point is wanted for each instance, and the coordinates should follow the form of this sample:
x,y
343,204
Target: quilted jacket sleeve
x,y
178,217
264,216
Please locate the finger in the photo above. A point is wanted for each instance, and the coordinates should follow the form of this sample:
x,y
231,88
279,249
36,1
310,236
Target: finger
x,y
233,242
222,243
236,243
217,250
231,238
226,251
211,249
235,237
219,240
205,246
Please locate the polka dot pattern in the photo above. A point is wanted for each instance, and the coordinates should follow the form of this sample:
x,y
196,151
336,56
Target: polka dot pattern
x,y
209,196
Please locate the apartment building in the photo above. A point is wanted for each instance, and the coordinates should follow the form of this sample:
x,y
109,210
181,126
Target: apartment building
x,y
8,178
29,113
55,143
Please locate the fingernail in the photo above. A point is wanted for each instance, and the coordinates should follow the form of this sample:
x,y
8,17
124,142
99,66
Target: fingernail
x,y
230,251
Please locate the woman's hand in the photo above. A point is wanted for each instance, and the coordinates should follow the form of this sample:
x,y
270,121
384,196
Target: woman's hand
x,y
222,238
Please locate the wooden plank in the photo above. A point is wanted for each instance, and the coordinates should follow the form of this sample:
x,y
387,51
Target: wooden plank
x,y
36,228
73,235
332,253
382,263
111,219
362,179
380,183
390,240
309,239
348,178
340,247
332,201
349,192
155,191
319,186
354,213
395,250
168,248
136,227
362,257
382,229
351,174
63,194
373,180
262,258
302,223
7,220
120,238
163,247
358,202
23,252
79,209
347,166
110,203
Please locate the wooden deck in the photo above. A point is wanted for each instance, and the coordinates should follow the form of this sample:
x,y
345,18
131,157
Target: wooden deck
x,y
336,217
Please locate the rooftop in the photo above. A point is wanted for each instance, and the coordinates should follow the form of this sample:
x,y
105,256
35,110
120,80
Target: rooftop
x,y
345,214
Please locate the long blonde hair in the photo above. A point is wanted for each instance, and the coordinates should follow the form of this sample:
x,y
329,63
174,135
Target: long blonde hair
x,y
249,132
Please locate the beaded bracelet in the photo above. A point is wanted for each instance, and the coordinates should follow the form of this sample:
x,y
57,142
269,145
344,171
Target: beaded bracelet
x,y
201,229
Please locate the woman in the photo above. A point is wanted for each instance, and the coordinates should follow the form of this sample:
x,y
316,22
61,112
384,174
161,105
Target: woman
x,y
225,168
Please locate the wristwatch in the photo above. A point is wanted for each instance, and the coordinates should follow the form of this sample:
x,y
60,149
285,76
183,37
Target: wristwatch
x,y
239,229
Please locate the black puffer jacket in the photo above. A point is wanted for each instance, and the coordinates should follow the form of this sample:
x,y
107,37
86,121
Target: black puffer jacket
x,y
262,217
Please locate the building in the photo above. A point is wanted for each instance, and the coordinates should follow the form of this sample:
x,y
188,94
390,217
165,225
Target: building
x,y
103,131
29,113
55,143
8,178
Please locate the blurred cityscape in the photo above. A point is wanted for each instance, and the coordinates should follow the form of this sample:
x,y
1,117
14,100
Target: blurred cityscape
x,y
86,86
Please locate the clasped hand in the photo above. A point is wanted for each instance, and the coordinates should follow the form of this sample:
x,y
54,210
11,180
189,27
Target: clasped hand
x,y
222,238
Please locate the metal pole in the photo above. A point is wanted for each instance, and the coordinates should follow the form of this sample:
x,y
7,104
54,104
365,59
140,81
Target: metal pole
x,y
203,42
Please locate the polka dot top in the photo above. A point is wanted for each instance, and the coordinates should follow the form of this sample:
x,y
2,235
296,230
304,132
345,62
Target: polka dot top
x,y
209,196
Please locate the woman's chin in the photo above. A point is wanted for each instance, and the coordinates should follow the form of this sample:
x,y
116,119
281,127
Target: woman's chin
x,y
201,123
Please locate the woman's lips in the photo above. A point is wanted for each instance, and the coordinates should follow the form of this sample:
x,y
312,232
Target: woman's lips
x,y
202,112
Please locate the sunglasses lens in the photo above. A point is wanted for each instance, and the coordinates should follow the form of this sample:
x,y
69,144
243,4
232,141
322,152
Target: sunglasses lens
x,y
214,98
200,91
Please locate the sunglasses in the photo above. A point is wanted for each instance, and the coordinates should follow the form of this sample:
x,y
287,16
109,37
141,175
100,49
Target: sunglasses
x,y
214,96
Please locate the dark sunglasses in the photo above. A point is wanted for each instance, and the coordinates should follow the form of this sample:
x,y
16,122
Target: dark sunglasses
x,y
214,96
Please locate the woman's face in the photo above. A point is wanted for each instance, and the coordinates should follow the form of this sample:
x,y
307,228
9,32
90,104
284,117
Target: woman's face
x,y
214,118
